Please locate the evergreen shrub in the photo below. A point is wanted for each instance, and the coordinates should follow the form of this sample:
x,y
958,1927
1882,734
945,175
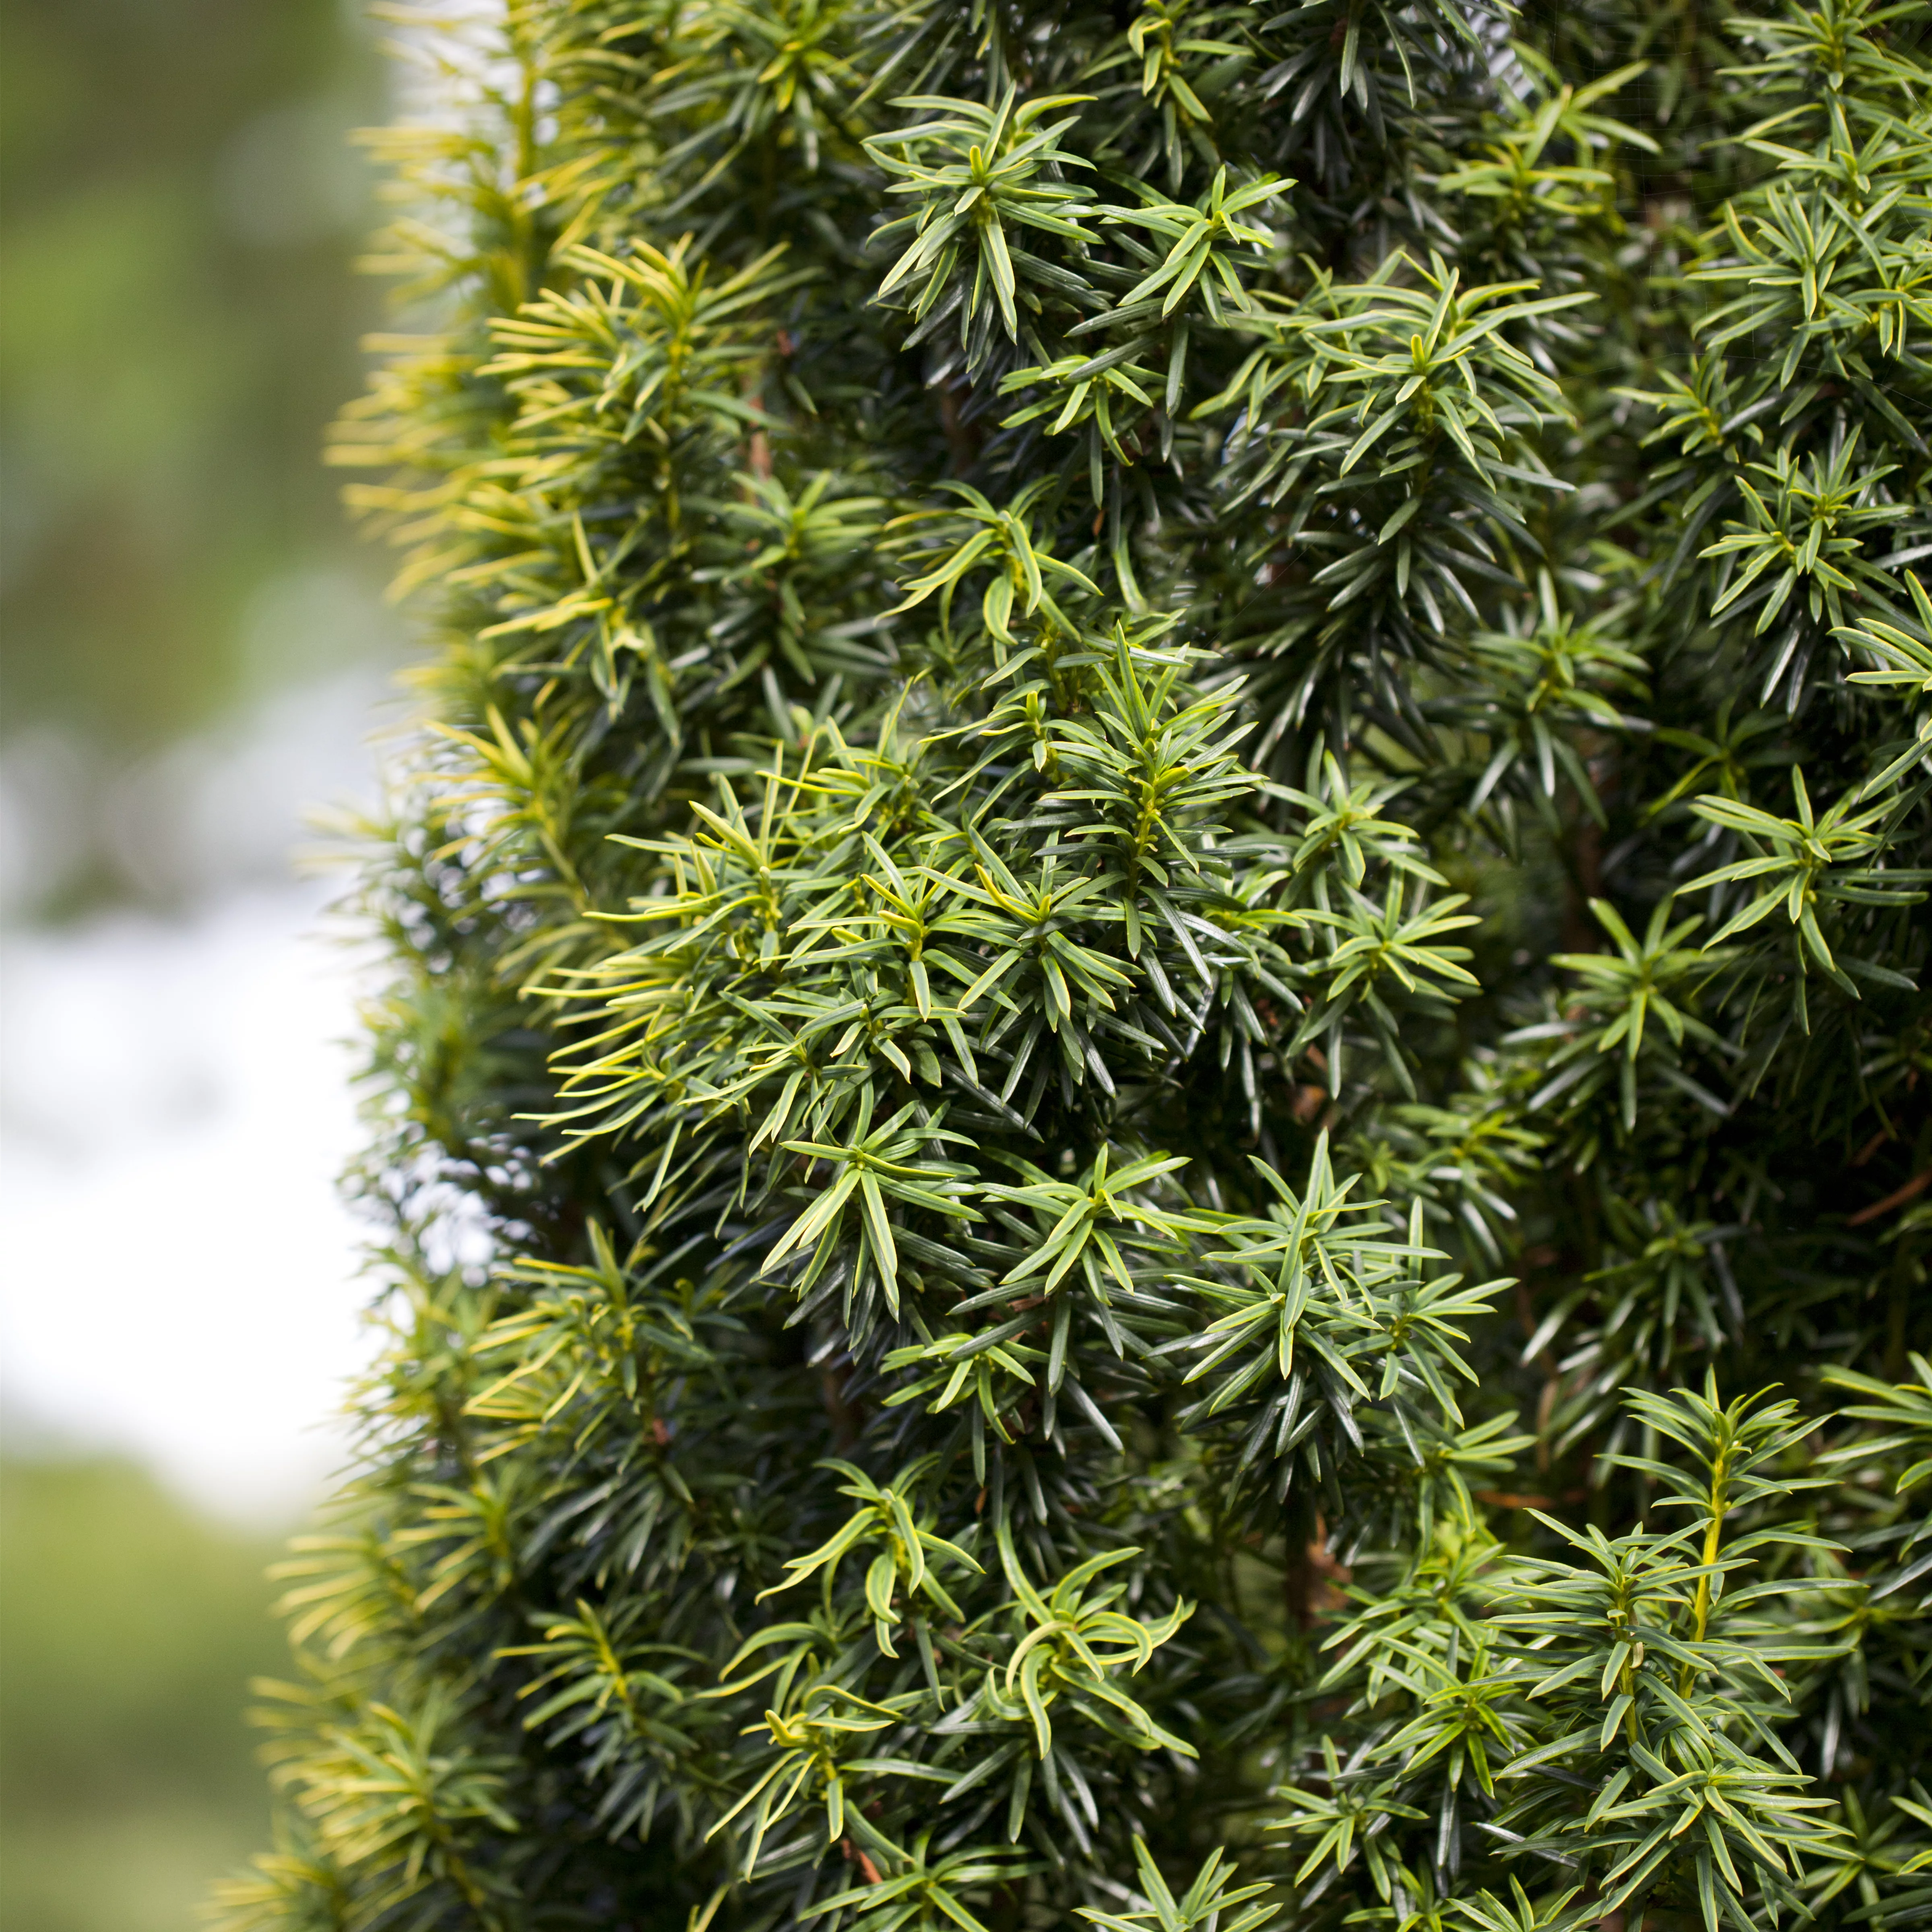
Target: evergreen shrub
x,y
1154,1096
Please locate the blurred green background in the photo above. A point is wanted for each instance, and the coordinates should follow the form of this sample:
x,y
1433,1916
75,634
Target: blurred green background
x,y
178,321
178,210
129,1626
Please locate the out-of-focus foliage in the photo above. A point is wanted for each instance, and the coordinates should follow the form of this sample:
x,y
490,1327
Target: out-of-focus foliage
x,y
127,1625
1166,915
176,326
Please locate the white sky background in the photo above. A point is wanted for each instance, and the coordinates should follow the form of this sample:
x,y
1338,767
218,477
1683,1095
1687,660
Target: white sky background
x,y
180,1279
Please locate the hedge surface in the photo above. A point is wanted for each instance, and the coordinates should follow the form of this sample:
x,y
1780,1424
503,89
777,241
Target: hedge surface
x,y
1153,1093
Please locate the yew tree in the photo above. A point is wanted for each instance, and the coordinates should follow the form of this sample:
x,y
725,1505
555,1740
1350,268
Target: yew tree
x,y
1152,1125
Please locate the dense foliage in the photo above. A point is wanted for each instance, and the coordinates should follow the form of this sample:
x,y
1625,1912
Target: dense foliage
x,y
1155,1096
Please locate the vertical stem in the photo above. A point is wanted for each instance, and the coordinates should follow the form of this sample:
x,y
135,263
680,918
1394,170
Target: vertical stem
x,y
1700,1609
